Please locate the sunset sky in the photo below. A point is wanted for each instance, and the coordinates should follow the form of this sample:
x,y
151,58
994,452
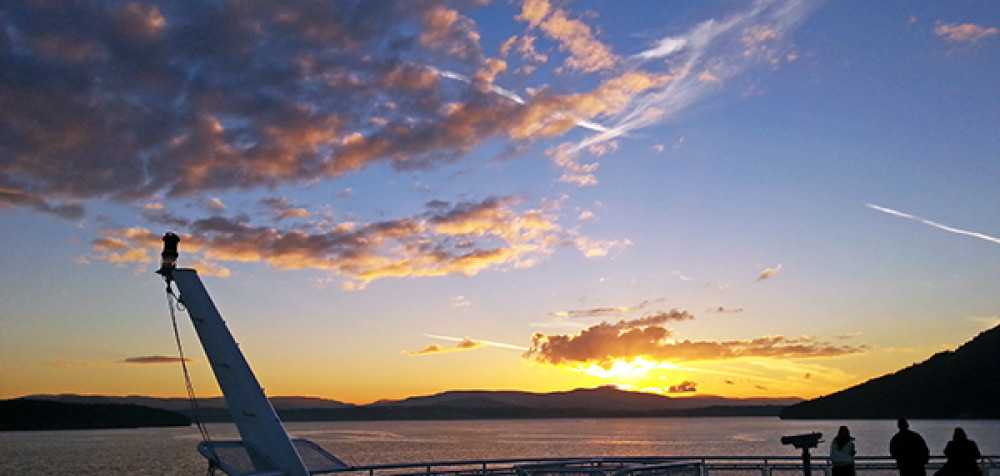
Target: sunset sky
x,y
385,199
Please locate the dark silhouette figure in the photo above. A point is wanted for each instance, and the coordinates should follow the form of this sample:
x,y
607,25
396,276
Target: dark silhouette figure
x,y
842,453
963,456
909,450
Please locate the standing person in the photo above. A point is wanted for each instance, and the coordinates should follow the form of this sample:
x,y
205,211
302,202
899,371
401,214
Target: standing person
x,y
963,456
909,450
842,453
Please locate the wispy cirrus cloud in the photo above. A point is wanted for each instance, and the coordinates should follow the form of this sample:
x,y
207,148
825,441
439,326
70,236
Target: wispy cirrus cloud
x,y
949,229
617,311
698,63
155,360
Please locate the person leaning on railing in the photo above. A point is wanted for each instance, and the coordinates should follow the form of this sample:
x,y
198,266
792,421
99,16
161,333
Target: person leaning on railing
x,y
963,456
909,450
842,453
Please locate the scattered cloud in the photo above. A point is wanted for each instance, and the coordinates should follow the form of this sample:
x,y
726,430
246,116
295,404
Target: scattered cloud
x,y
586,52
618,311
12,198
769,272
686,386
964,33
164,92
281,208
849,335
595,248
725,310
215,204
161,112
462,345
939,226
461,238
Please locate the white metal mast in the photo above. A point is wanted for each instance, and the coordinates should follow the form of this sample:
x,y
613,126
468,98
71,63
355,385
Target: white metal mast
x,y
267,444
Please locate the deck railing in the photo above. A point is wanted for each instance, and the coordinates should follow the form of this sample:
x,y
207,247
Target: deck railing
x,y
648,466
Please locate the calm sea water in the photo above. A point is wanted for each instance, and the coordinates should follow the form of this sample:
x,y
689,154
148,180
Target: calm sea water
x,y
168,451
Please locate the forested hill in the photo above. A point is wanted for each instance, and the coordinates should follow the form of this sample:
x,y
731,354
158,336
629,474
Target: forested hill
x,y
27,414
964,383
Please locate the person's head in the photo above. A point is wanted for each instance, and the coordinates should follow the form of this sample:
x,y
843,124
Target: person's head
x,y
960,435
843,437
902,424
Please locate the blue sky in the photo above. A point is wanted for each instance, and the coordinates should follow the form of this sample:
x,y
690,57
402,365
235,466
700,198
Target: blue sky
x,y
399,198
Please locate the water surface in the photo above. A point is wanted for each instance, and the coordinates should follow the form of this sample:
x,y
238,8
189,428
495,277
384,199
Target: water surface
x,y
171,451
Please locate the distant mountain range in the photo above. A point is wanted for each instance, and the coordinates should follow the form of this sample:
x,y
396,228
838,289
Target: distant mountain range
x,y
597,402
959,384
964,383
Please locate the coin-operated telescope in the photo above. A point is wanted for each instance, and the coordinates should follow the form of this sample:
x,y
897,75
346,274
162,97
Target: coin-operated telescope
x,y
803,442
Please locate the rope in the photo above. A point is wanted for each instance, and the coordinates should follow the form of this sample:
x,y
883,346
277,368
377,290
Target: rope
x,y
173,302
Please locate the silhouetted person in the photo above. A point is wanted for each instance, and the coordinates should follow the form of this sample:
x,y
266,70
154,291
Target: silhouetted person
x,y
842,453
909,450
963,456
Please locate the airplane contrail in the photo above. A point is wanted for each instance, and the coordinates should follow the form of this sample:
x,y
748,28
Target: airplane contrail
x,y
939,226
513,97
484,342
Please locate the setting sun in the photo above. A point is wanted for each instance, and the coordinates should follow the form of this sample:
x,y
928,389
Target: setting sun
x,y
638,368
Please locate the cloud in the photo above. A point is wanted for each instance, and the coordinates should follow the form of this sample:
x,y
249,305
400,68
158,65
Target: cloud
x,y
725,310
462,238
449,31
586,53
605,344
594,248
619,311
849,335
11,198
939,226
281,208
964,33
131,100
686,386
215,204
155,359
769,272
126,100
464,344
699,61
